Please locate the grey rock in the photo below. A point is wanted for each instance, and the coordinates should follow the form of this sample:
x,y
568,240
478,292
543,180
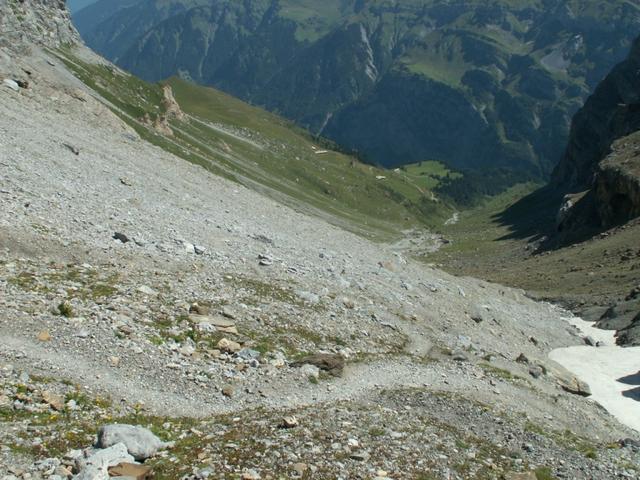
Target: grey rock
x,y
536,371
248,354
308,297
459,355
204,473
121,237
309,371
630,443
360,456
330,363
101,460
140,442
92,473
144,289
12,84
477,315
73,149
570,383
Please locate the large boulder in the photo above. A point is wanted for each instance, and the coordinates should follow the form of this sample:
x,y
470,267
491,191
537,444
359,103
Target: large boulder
x,y
140,442
569,382
94,464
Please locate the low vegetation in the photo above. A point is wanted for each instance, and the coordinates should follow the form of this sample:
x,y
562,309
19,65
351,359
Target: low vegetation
x,y
269,154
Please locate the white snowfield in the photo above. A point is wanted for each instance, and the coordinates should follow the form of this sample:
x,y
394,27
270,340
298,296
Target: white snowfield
x,y
612,372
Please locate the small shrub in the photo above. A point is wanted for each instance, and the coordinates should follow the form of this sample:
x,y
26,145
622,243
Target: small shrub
x,y
544,473
65,309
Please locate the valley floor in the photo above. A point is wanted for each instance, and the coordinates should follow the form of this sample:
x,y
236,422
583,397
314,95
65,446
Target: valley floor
x,y
500,239
445,377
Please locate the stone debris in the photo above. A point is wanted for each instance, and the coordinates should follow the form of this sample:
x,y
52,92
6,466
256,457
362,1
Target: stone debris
x,y
44,336
139,442
121,237
229,346
289,422
330,363
569,383
55,401
94,463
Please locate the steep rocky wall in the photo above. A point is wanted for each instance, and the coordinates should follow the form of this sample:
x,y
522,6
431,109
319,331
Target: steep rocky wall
x,y
600,172
617,189
612,112
42,22
612,200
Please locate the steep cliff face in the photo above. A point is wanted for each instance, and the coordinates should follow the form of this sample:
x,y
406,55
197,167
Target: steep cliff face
x,y
612,112
601,168
617,186
42,22
396,81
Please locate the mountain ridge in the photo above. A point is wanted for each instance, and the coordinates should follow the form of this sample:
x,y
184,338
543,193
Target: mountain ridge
x,y
515,74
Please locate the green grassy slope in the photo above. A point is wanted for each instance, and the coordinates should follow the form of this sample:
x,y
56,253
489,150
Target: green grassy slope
x,y
267,153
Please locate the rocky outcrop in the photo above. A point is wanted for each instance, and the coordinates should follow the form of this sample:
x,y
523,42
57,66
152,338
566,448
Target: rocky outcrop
x,y
171,106
40,22
613,198
617,185
612,112
600,171
625,319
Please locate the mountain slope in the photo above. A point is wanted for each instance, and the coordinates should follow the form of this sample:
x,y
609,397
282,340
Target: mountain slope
x,y
267,153
600,171
576,240
261,341
609,114
471,84
28,22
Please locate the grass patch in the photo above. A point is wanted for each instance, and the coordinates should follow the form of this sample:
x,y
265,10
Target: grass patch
x,y
497,371
544,473
269,154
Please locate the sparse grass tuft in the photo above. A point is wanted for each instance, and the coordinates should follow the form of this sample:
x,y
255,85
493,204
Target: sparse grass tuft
x,y
66,310
544,473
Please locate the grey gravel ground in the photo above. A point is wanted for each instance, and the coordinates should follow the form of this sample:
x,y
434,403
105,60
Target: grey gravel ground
x,y
428,355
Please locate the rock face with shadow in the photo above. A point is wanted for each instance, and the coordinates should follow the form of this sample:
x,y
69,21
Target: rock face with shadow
x,y
634,382
600,171
600,176
624,317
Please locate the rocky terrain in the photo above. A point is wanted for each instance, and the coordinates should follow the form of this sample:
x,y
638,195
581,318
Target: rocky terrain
x,y
472,84
254,340
600,175
574,241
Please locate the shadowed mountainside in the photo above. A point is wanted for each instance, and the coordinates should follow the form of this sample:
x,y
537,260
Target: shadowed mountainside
x,y
472,84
